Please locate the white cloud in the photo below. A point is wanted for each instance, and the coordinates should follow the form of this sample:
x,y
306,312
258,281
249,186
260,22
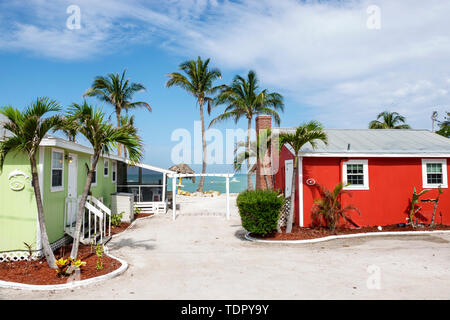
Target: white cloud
x,y
319,53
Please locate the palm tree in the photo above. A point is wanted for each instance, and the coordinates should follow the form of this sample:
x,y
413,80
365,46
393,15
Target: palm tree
x,y
127,121
261,145
27,129
117,91
199,83
329,207
311,133
243,99
444,126
391,120
103,137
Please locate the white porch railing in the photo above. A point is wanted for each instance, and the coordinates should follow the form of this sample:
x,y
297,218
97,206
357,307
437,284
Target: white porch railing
x,y
96,220
152,207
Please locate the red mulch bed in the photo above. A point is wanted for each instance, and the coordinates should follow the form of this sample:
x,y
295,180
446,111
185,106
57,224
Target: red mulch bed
x,y
39,273
299,233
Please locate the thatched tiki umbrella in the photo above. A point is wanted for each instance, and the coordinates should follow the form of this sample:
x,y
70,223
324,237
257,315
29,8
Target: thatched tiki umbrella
x,y
183,169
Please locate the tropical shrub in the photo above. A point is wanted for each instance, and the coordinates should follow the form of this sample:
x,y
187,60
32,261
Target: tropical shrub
x,y
137,211
99,254
328,209
414,209
260,210
66,267
116,219
436,202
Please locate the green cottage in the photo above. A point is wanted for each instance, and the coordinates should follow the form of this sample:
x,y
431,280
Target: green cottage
x,y
62,172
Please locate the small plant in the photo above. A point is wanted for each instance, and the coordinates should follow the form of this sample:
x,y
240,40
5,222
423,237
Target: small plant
x,y
116,219
414,207
137,211
328,208
99,254
436,201
30,251
66,267
260,210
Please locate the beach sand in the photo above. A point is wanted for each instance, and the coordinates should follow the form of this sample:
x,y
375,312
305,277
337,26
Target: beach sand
x,y
206,206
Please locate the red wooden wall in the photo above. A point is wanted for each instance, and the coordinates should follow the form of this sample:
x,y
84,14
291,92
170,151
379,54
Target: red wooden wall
x,y
391,183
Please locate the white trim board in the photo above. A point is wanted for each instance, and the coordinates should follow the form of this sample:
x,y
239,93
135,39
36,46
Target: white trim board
x,y
373,155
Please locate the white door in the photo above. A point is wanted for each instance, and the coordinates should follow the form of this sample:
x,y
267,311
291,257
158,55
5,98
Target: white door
x,y
72,193
288,172
73,175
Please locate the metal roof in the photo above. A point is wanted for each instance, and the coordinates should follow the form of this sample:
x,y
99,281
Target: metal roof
x,y
379,141
3,132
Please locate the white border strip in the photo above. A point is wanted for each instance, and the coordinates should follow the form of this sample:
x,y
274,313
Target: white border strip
x,y
353,235
74,284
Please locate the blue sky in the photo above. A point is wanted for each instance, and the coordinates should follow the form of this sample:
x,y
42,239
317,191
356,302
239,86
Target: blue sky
x,y
319,54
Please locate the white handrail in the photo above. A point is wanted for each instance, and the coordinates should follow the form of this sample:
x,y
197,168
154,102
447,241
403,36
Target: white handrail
x,y
99,204
93,209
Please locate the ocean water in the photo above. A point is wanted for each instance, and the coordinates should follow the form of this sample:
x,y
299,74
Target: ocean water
x,y
238,183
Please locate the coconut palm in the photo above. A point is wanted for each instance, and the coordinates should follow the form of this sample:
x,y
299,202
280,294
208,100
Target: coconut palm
x,y
117,91
260,145
311,132
390,120
244,100
444,126
199,82
91,123
27,129
127,120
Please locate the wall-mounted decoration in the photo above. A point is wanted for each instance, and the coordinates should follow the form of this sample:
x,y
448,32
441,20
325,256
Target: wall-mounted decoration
x,y
17,180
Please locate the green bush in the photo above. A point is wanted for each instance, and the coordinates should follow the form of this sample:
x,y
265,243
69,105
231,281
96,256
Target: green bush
x,y
116,219
260,210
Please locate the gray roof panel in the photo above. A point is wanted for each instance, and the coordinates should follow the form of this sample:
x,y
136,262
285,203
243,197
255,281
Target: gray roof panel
x,y
379,141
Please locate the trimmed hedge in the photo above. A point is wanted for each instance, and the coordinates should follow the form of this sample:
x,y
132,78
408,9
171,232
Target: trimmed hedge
x,y
260,210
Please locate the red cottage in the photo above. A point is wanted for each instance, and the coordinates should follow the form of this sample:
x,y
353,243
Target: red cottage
x,y
382,168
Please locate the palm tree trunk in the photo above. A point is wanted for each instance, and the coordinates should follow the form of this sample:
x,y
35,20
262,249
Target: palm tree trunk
x,y
249,175
48,252
202,179
291,209
81,209
119,146
432,225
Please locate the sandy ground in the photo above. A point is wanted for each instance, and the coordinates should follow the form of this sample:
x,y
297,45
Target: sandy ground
x,y
201,256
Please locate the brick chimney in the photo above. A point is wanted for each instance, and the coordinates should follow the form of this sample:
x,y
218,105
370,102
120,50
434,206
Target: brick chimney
x,y
263,182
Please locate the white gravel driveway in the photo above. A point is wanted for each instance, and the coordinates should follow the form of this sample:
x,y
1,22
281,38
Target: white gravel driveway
x,y
206,257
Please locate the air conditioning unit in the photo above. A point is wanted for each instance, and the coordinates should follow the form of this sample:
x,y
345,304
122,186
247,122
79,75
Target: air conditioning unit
x,y
123,203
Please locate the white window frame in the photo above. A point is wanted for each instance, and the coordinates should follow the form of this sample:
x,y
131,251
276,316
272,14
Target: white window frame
x,y
96,175
425,183
114,170
58,188
365,164
105,166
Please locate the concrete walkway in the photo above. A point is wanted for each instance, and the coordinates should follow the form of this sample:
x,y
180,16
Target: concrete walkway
x,y
206,257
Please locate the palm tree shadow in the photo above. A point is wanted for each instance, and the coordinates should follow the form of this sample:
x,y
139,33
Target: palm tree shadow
x,y
130,243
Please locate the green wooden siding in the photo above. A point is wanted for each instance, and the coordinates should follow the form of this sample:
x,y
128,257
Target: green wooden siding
x,y
18,210
54,202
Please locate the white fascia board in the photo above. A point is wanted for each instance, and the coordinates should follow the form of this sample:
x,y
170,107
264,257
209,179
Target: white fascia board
x,y
147,166
373,155
72,146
